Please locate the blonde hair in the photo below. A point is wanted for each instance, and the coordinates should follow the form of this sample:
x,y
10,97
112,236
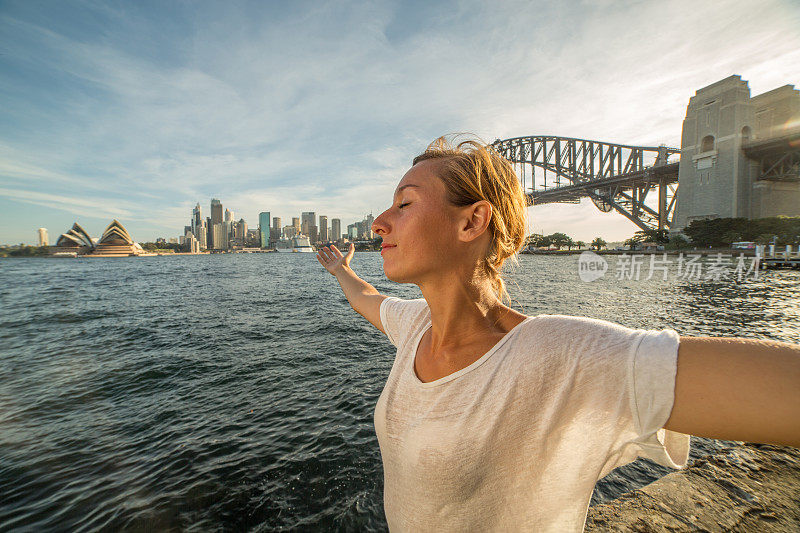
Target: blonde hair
x,y
473,171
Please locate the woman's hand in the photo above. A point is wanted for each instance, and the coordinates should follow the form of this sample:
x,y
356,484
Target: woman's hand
x,y
333,260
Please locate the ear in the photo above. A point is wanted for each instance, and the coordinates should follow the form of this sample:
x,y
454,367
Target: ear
x,y
475,220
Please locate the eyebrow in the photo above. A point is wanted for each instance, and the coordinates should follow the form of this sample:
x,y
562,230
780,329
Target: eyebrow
x,y
399,190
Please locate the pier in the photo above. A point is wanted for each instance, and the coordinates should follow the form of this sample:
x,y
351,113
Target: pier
x,y
773,256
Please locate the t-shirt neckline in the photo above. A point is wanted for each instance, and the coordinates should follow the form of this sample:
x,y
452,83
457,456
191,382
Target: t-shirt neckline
x,y
472,366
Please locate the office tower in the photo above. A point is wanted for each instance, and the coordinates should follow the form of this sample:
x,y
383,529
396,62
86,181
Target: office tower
x,y
194,244
352,231
289,232
275,232
263,228
202,235
241,232
197,220
296,224
309,225
43,237
220,236
209,234
368,227
323,228
187,230
228,216
336,229
228,226
216,212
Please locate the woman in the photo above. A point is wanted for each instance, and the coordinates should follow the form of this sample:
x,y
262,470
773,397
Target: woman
x,y
492,420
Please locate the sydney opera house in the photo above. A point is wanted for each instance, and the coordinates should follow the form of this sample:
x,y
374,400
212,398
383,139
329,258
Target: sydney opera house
x,y
115,242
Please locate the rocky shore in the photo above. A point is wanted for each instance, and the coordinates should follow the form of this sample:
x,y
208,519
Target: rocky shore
x,y
753,488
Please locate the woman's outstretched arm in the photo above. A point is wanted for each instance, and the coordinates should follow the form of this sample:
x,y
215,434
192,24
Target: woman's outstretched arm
x,y
363,297
738,389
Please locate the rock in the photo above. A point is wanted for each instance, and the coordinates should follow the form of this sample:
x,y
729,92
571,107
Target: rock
x,y
755,488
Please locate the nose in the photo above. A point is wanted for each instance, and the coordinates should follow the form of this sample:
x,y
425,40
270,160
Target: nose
x,y
380,225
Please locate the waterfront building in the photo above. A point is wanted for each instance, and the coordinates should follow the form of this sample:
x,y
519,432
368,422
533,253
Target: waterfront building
x,y
174,240
289,232
43,241
194,244
336,229
197,220
201,234
323,228
263,228
368,227
296,224
275,230
220,233
241,232
352,231
75,240
308,225
216,212
209,234
117,242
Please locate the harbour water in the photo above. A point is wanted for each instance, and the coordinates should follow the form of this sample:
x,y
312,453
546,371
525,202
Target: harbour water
x,y
233,392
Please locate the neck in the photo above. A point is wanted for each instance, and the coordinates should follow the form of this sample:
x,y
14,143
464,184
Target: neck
x,y
464,309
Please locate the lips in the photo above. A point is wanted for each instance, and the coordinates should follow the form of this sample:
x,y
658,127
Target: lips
x,y
385,247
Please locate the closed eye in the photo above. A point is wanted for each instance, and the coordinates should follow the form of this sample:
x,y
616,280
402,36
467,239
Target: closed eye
x,y
401,206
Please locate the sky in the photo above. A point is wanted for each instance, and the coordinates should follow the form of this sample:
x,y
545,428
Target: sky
x,y
139,110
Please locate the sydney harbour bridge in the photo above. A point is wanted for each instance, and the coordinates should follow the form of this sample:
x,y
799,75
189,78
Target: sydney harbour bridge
x,y
739,157
614,176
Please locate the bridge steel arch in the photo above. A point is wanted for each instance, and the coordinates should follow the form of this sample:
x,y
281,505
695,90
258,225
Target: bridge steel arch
x,y
564,169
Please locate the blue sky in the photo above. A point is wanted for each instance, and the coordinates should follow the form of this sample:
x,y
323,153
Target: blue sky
x,y
139,110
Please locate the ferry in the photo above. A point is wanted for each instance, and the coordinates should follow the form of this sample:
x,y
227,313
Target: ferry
x,y
300,243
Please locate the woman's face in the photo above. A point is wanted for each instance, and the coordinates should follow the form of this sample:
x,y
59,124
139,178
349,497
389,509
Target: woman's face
x,y
419,230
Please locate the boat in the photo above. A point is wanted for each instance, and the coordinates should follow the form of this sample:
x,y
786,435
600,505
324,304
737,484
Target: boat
x,y
299,243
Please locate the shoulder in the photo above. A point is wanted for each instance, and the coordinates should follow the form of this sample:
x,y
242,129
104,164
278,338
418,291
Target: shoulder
x,y
581,335
400,317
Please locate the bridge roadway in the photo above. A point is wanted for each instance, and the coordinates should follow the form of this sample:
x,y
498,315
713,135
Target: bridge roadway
x,y
614,176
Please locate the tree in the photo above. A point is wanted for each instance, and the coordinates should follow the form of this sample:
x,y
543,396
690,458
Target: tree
x,y
598,243
559,239
580,244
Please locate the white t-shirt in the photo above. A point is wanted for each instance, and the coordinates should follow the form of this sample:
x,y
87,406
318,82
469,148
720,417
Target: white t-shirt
x,y
517,440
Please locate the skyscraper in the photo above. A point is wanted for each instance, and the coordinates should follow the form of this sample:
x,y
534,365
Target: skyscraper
x,y
220,236
336,229
197,221
368,227
228,216
296,224
323,228
275,232
43,237
209,234
263,228
308,225
216,212
241,232
202,234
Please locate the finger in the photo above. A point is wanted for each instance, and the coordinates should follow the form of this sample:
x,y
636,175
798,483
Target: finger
x,y
328,255
351,251
336,251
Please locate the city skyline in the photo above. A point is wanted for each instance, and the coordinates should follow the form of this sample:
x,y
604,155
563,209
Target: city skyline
x,y
127,111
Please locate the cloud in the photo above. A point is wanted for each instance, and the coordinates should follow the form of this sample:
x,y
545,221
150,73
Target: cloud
x,y
279,110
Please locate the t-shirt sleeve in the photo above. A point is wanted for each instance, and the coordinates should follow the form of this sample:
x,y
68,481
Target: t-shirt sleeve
x,y
652,371
399,316
624,379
